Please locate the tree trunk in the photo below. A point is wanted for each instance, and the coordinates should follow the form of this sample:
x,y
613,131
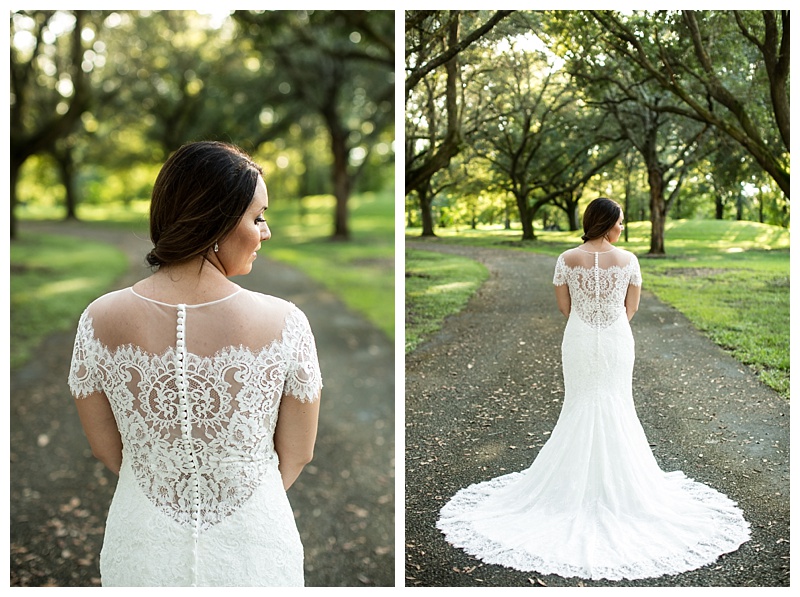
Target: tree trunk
x,y
627,196
719,207
574,219
658,211
525,216
341,180
425,208
451,144
66,168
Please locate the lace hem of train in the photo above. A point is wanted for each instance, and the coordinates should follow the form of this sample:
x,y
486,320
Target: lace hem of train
x,y
732,531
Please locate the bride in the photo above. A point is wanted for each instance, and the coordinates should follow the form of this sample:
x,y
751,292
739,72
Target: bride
x,y
594,503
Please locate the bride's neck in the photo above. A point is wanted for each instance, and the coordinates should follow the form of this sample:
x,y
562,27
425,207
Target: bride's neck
x,y
598,245
198,279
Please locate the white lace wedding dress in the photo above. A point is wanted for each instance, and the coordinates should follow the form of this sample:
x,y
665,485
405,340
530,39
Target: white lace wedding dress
x,y
195,390
594,503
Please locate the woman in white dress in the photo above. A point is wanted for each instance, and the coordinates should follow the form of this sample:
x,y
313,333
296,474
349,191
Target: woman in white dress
x,y
594,503
202,396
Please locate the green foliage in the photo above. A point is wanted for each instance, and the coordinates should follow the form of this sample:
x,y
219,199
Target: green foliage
x,y
155,80
437,285
539,138
39,185
731,279
52,280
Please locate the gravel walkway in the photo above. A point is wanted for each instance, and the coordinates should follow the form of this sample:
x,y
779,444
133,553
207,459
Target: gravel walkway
x,y
483,394
344,500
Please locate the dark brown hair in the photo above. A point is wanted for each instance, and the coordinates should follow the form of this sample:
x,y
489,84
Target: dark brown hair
x,y
199,196
599,217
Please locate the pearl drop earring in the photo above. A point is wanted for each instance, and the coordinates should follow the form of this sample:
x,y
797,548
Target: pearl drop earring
x,y
216,247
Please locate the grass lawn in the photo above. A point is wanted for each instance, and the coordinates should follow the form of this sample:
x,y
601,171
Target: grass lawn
x,y
437,285
731,279
53,278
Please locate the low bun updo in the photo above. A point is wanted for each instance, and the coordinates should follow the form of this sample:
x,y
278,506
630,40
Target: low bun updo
x,y
200,194
599,217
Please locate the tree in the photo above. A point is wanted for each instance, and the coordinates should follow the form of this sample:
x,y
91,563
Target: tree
x,y
669,147
49,86
667,141
109,98
542,141
338,65
700,59
434,128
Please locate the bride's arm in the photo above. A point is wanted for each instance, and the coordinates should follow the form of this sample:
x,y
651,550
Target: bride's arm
x,y
295,436
101,430
563,299
632,300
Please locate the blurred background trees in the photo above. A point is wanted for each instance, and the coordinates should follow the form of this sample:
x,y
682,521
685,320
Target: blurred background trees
x,y
675,114
100,98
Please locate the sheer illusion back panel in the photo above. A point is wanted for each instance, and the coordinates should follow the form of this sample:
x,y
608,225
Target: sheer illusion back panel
x,y
244,319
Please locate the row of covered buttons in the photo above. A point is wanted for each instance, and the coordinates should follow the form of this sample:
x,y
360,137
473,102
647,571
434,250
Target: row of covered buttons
x,y
184,409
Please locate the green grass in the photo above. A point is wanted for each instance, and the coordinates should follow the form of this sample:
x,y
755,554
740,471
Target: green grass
x,y
359,271
52,279
741,304
437,285
730,279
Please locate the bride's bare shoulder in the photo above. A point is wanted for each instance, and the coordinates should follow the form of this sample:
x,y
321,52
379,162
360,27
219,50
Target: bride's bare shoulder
x,y
572,257
624,255
577,249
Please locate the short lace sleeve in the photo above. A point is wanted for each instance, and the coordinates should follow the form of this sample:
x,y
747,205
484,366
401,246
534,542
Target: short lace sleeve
x,y
303,378
560,276
84,376
636,273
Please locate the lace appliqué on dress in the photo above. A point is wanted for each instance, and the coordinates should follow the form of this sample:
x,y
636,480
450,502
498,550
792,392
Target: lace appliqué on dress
x,y
598,294
198,431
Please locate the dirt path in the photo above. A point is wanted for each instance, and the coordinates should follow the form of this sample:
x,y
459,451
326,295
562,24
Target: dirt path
x,y
484,393
344,501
